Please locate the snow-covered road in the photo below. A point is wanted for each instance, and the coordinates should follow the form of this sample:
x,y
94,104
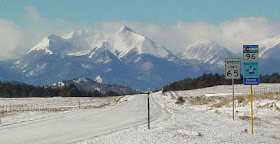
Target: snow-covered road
x,y
189,124
80,125
126,122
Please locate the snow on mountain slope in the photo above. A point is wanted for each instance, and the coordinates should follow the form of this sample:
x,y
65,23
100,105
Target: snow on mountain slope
x,y
269,55
68,36
207,51
43,45
85,39
74,43
126,57
125,40
54,44
270,60
268,44
272,52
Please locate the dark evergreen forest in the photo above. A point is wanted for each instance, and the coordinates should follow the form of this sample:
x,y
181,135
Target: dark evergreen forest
x,y
11,90
208,80
16,90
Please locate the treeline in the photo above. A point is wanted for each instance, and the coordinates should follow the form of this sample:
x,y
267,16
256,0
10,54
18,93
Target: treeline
x,y
208,80
273,78
8,90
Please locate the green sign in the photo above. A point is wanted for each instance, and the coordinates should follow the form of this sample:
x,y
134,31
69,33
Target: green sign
x,y
251,69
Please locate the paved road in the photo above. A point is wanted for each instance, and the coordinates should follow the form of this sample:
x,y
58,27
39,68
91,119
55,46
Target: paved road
x,y
80,125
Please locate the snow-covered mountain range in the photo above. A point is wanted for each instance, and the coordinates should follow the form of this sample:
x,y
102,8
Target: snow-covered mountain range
x,y
270,55
126,41
208,53
125,57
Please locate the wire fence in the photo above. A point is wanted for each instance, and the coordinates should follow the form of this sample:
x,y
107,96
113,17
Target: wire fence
x,y
226,90
55,105
266,90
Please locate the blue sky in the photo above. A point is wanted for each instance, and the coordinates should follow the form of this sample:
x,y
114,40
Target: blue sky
x,y
173,23
145,11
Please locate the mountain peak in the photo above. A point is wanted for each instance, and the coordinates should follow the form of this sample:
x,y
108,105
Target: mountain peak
x,y
126,41
207,51
53,37
125,29
205,46
43,45
267,44
209,43
68,36
54,44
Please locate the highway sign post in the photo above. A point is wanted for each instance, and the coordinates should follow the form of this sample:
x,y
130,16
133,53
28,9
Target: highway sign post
x,y
251,71
148,109
250,53
232,71
232,68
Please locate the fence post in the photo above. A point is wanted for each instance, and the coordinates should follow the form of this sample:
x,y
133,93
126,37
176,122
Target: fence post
x,y
79,104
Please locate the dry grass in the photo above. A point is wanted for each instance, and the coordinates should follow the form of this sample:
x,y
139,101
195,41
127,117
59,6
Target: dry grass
x,y
270,96
201,101
257,123
249,118
275,137
277,117
218,112
226,101
223,102
243,99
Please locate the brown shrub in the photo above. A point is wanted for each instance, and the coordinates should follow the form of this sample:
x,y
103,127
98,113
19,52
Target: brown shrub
x,y
249,118
201,100
180,100
245,117
223,102
270,96
275,137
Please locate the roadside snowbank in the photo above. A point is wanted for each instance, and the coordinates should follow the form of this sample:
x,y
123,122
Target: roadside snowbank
x,y
202,123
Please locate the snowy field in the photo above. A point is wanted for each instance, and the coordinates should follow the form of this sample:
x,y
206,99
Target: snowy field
x,y
204,117
188,123
15,110
226,90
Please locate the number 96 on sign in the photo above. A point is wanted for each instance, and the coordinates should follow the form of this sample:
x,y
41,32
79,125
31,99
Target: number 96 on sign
x,y
250,56
232,68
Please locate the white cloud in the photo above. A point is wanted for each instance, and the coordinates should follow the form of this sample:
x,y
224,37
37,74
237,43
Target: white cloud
x,y
10,38
33,14
247,31
230,34
16,39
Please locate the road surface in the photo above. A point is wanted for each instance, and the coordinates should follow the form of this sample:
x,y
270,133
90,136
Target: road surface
x,y
80,125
